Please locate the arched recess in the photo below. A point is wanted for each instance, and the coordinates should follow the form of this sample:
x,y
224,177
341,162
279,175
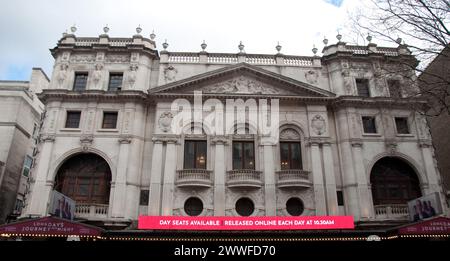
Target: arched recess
x,y
394,181
84,177
291,147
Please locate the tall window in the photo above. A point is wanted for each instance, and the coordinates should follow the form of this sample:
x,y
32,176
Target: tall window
x,y
195,154
27,166
73,119
243,155
80,81
290,155
362,85
115,81
109,120
369,124
401,123
394,88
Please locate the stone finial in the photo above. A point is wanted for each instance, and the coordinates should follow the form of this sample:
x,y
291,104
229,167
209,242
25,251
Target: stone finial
x,y
278,47
64,33
106,29
138,29
399,40
152,35
325,41
369,38
165,44
338,36
314,50
73,28
241,47
203,45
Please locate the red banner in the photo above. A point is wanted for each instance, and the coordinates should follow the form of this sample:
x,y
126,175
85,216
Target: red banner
x,y
50,226
440,225
245,223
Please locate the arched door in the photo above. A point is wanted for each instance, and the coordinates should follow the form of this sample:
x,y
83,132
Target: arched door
x,y
393,182
85,178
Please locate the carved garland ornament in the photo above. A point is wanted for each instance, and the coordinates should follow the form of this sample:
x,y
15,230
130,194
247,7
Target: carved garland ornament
x,y
318,124
165,121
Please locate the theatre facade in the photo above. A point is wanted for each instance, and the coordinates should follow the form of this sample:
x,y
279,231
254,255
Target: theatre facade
x,y
131,130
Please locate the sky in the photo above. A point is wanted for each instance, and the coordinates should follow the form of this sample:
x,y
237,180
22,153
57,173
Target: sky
x,y
28,28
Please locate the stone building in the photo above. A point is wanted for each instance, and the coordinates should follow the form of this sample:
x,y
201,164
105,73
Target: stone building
x,y
19,124
347,142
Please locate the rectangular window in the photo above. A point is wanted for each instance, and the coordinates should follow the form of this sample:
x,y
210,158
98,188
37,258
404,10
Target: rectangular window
x,y
195,154
109,120
290,155
362,85
73,119
243,155
369,124
80,81
394,88
401,123
143,199
340,198
27,165
115,81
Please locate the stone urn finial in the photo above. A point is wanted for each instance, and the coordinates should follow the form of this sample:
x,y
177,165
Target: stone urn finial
x,y
165,45
73,29
241,47
138,29
339,37
278,47
314,50
106,29
203,45
369,38
152,35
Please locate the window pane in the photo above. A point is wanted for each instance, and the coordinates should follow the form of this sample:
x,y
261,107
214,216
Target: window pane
x,y
109,120
200,155
73,119
237,155
284,155
249,155
189,155
402,125
362,86
369,125
296,158
80,81
115,82
83,187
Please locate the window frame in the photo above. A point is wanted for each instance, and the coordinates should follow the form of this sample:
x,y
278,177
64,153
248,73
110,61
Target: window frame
x,y
290,155
243,158
112,74
374,122
103,120
67,118
408,127
196,143
75,81
367,86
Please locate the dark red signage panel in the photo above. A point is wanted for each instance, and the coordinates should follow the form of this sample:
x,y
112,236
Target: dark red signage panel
x,y
50,226
440,225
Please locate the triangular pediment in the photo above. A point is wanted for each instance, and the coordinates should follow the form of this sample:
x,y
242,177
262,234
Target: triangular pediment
x,y
242,79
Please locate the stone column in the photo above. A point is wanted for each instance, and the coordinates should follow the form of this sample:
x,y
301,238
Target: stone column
x,y
219,175
317,172
169,178
43,183
119,184
365,205
269,179
430,170
330,179
133,180
154,201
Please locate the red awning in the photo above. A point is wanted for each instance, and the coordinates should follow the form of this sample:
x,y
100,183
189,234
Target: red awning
x,y
435,226
50,226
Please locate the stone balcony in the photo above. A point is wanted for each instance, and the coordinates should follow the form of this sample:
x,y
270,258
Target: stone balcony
x,y
194,178
391,212
91,211
244,178
293,178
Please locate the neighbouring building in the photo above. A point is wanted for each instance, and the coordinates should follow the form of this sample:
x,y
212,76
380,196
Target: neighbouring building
x,y
435,80
20,115
348,141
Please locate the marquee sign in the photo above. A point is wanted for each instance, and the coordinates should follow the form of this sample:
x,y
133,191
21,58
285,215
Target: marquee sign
x,y
245,223
439,225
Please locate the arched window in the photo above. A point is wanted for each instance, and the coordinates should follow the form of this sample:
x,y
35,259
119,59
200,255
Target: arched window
x,y
85,178
290,150
393,182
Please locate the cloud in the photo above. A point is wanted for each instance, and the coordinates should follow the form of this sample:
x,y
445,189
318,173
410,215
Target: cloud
x,y
30,28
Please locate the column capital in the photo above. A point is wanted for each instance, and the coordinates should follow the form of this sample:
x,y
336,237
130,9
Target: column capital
x,y
124,139
220,139
166,138
425,143
357,143
48,137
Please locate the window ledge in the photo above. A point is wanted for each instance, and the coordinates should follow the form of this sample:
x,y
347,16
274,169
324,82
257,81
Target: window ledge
x,y
405,135
108,130
70,130
371,135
